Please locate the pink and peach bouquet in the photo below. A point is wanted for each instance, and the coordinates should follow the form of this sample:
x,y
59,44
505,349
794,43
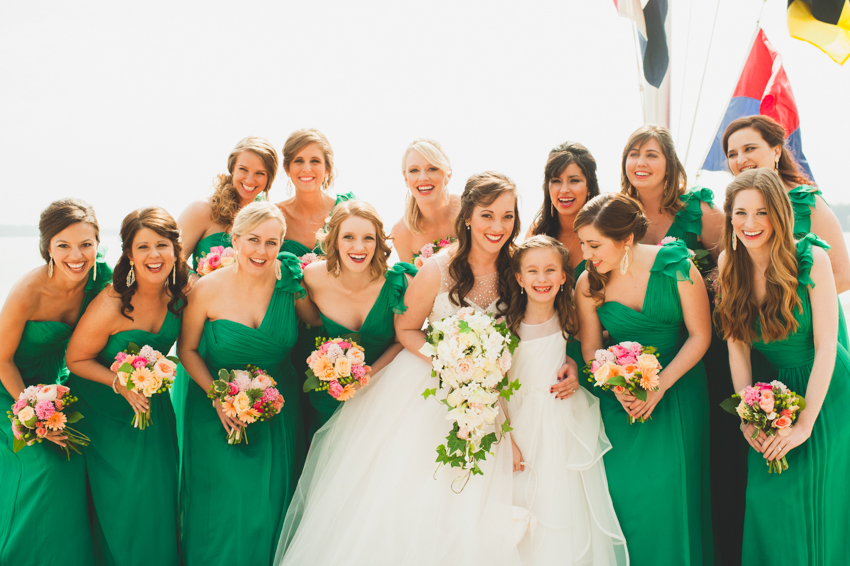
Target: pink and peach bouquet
x,y
248,396
428,250
216,258
42,409
337,366
145,371
772,408
627,367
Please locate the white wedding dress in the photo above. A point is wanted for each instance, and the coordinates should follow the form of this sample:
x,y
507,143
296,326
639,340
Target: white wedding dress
x,y
371,492
562,443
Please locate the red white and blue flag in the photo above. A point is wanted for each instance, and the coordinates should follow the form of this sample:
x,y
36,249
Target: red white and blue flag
x,y
762,89
649,16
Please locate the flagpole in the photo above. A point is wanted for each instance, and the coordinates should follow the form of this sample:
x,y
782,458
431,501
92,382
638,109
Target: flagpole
x,y
641,81
702,82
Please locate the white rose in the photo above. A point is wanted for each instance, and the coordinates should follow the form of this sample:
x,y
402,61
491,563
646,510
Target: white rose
x,y
47,393
428,349
454,398
26,414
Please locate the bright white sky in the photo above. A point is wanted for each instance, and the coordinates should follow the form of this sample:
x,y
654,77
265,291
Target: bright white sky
x,y
133,106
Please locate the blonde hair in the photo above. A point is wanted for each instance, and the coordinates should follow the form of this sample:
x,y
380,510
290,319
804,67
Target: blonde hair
x,y
225,200
341,213
256,213
433,154
737,310
675,178
300,139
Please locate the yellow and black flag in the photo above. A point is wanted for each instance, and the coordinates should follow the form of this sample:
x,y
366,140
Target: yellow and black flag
x,y
823,23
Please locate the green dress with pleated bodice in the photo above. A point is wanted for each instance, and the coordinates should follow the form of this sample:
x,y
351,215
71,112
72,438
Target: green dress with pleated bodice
x,y
132,472
234,496
801,516
41,487
658,470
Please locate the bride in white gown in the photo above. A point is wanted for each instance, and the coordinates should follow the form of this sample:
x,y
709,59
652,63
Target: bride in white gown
x,y
371,491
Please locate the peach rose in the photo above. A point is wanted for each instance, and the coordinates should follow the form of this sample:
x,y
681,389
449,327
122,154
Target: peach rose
x,y
241,402
782,422
605,372
355,356
766,400
342,366
164,368
122,378
465,369
629,371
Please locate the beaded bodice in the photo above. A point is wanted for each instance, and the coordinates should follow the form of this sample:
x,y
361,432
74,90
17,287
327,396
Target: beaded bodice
x,y
484,295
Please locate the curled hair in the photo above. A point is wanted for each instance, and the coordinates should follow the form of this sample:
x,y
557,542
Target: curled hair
x,y
773,134
300,139
549,223
158,220
59,215
481,189
341,213
616,216
564,306
255,214
225,200
434,154
737,310
675,178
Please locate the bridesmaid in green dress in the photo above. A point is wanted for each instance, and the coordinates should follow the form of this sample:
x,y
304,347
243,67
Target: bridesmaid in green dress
x,y
308,161
132,473
355,292
779,297
36,322
243,314
429,210
653,295
206,223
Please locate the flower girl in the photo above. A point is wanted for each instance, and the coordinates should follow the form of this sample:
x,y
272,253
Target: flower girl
x,y
558,438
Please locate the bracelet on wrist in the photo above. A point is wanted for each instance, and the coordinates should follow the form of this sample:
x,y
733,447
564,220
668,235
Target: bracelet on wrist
x,y
114,381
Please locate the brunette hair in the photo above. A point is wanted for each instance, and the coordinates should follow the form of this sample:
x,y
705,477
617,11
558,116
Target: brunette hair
x,y
773,134
434,154
546,222
300,139
341,213
59,215
481,189
737,310
675,177
158,220
225,201
564,305
616,216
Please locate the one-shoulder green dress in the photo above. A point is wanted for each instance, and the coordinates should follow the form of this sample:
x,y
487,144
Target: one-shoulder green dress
x,y
132,473
658,470
234,497
314,406
40,485
801,516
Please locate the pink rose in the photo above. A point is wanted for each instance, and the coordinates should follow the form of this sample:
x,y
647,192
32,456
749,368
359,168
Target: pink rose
x,y
626,360
325,346
427,251
356,356
343,344
782,422
463,433
505,361
335,389
618,351
139,362
218,250
120,357
41,432
444,243
620,390
364,381
228,252
234,389
635,349
767,400
59,405
61,390
258,406
786,413
214,261
44,409
114,367
465,369
278,404
594,366
18,434
19,404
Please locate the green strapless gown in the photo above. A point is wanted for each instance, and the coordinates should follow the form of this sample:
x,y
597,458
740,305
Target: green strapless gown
x,y
800,516
803,202
573,343
132,473
666,517
234,497
376,334
40,485
314,406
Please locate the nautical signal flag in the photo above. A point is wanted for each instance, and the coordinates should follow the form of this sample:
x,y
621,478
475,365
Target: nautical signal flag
x,y
762,89
649,15
823,23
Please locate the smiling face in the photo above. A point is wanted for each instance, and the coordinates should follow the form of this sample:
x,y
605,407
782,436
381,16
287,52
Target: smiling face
x,y
568,191
750,221
74,251
356,243
491,226
250,177
258,248
153,257
746,149
541,275
426,182
646,165
308,170
604,253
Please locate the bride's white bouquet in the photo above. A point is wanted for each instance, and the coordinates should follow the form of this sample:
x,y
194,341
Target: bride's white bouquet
x,y
471,354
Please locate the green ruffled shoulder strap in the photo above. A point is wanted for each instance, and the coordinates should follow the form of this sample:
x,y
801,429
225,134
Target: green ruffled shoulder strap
x,y
290,275
344,197
804,258
802,202
397,285
689,217
100,275
674,261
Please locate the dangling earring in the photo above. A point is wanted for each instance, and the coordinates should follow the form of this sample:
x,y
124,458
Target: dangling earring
x,y
94,272
734,241
553,207
562,287
236,262
50,267
131,275
289,187
174,274
776,165
335,269
277,272
522,290
467,226
624,264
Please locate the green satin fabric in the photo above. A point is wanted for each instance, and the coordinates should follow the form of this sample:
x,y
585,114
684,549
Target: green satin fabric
x,y
671,450
241,492
813,494
132,473
40,486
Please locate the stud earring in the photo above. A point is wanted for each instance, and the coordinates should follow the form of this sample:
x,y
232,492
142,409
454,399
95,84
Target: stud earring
x,y
734,241
131,275
624,264
50,267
